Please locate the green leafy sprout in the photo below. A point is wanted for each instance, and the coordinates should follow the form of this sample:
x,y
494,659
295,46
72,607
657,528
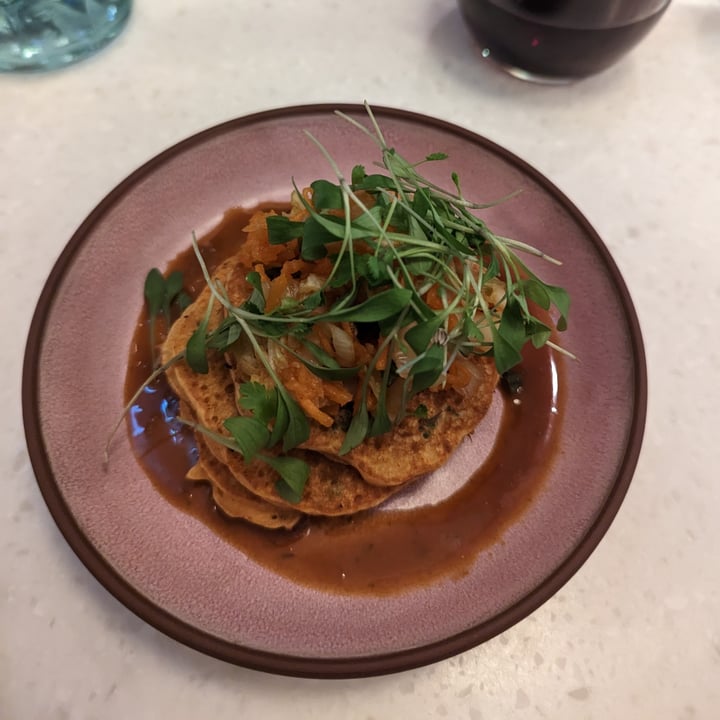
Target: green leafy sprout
x,y
161,294
386,256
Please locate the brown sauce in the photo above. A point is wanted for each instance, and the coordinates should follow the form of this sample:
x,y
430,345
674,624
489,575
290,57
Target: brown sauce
x,y
372,553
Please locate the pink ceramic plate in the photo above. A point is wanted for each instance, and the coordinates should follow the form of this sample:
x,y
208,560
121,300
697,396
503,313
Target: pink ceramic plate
x,y
174,572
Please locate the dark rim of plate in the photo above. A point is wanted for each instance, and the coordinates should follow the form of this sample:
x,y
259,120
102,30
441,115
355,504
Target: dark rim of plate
x,y
296,665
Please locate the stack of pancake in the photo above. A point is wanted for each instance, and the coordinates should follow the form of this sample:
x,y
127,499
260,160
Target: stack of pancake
x,y
337,484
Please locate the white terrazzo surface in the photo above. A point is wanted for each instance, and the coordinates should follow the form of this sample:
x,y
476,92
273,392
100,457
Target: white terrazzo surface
x,y
636,633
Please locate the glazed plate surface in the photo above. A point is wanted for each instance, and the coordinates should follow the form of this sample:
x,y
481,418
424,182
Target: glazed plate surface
x,y
172,570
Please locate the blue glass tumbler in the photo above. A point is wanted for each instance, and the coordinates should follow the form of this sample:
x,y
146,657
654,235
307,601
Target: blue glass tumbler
x,y
49,34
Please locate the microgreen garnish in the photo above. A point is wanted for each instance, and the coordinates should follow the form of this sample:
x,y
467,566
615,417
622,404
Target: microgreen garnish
x,y
293,474
197,346
408,258
247,440
160,294
249,433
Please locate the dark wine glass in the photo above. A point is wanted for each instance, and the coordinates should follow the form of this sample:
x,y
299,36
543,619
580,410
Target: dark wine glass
x,y
559,40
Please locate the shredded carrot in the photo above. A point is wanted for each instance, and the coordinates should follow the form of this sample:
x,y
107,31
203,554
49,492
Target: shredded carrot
x,y
320,334
257,221
314,412
297,265
278,287
458,375
381,363
322,267
433,299
363,353
370,399
314,394
305,388
337,392
259,268
298,213
257,247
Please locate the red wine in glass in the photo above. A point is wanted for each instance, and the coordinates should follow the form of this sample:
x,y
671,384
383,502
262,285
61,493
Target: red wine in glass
x,y
559,40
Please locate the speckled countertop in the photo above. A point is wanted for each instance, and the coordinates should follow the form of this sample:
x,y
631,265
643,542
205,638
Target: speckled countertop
x,y
636,633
